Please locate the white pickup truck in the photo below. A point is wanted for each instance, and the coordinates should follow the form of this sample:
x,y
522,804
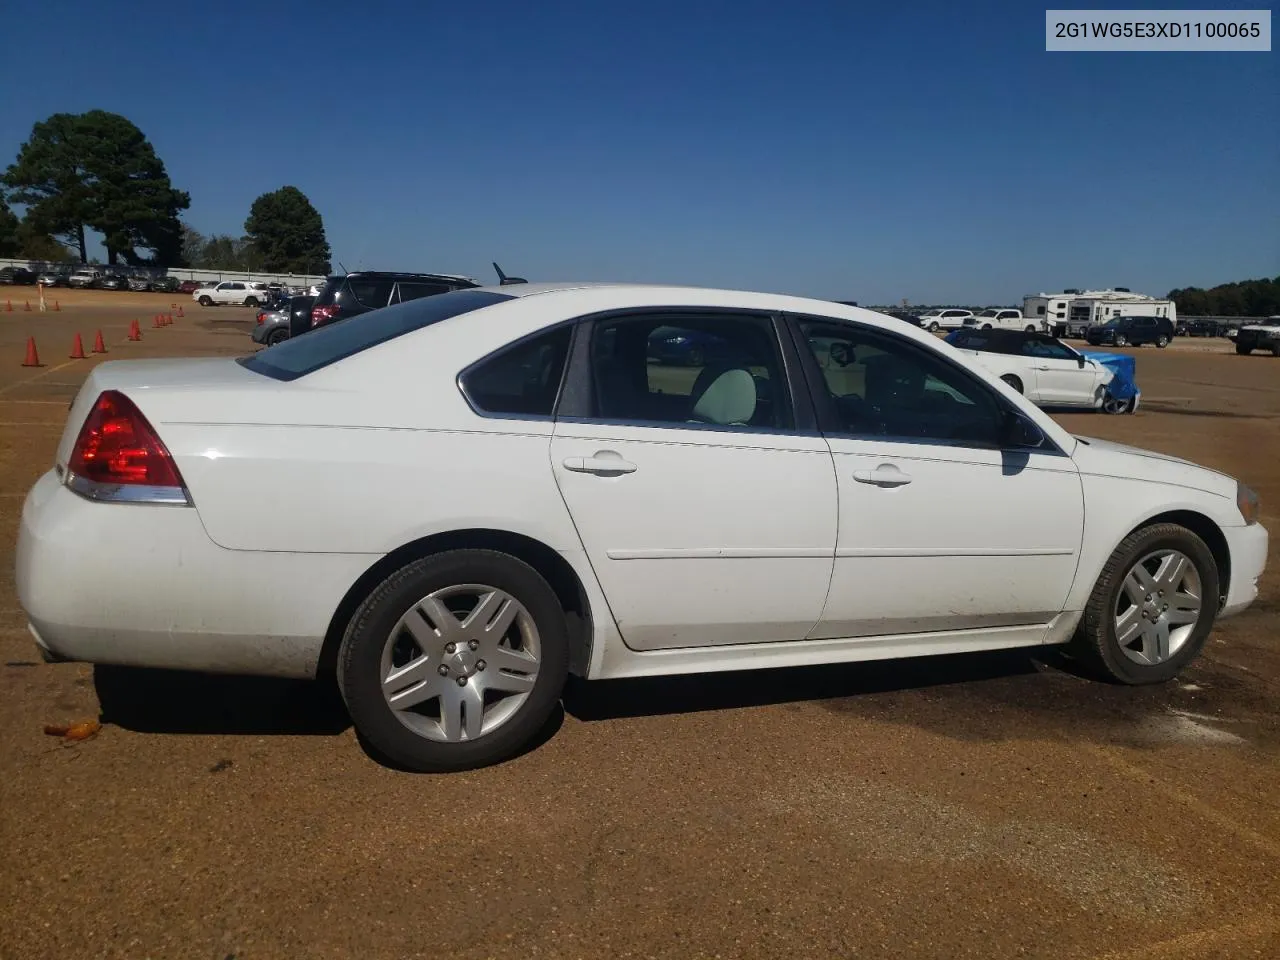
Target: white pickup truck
x,y
251,293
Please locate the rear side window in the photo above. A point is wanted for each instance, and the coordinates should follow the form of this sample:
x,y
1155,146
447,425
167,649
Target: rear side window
x,y
371,293
299,356
522,380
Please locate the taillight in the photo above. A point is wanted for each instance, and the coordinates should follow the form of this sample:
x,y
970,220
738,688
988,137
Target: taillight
x,y
323,314
118,456
260,316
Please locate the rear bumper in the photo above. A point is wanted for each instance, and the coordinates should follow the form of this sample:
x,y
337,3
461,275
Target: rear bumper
x,y
143,585
1248,548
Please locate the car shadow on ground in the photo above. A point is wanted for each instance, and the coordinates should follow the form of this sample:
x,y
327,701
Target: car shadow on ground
x,y
171,701
690,693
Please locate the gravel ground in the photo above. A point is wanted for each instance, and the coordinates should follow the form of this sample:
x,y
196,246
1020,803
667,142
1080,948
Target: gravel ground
x,y
983,806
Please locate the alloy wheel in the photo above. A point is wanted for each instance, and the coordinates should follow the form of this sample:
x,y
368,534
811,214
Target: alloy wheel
x,y
460,662
1158,607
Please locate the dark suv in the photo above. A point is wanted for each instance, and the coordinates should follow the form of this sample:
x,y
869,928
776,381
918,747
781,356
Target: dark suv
x,y
365,290
356,293
1135,331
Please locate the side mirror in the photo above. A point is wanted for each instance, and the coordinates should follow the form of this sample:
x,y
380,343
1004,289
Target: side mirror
x,y
1019,432
1080,362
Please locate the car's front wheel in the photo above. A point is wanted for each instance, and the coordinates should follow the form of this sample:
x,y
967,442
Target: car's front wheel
x,y
455,661
1152,608
1162,341
205,302
1243,350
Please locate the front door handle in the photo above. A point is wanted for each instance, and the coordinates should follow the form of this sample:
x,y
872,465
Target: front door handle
x,y
604,462
885,475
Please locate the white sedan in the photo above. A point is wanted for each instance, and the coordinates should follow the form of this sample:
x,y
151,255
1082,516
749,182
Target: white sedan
x,y
1042,368
481,492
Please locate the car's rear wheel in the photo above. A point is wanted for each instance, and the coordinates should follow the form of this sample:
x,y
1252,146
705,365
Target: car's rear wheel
x,y
986,326
1243,350
1162,341
205,302
455,661
1012,381
250,301
1029,329
1152,608
277,336
1275,349
1121,340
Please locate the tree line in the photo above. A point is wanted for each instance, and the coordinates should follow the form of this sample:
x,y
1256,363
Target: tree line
x,y
97,171
1247,298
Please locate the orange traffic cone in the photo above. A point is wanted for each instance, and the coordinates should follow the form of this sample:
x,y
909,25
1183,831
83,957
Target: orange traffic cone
x,y
33,358
135,331
168,320
155,321
56,307
8,306
180,312
27,308
77,349
98,345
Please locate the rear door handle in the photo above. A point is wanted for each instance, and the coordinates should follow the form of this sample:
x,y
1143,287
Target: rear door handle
x,y
604,462
885,475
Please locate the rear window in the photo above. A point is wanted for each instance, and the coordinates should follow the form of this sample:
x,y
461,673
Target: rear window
x,y
301,355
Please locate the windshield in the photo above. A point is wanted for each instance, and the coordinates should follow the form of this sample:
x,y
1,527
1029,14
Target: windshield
x,y
322,346
988,313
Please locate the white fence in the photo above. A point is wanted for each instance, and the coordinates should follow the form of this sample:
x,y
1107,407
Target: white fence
x,y
182,273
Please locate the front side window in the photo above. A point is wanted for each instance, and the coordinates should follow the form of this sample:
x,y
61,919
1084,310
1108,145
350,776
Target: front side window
x,y
717,369
522,380
1048,349
413,291
880,385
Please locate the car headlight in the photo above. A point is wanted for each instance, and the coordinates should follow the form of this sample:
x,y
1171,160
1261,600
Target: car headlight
x,y
1248,503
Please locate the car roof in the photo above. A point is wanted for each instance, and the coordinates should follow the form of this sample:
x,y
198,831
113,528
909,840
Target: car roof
x,y
403,274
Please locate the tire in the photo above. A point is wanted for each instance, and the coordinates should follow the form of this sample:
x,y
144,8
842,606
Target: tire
x,y
1113,406
933,327
376,637
1029,329
1012,381
1121,340
205,302
1162,341
1096,641
277,336
1275,349
1243,350
250,301
986,326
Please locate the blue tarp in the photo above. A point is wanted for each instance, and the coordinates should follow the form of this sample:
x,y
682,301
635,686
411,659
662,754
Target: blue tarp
x,y
1123,386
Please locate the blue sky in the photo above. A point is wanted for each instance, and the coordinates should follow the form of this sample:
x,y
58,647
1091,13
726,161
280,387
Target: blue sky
x,y
932,151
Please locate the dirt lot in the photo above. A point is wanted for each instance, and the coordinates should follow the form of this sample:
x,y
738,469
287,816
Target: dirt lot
x,y
986,806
